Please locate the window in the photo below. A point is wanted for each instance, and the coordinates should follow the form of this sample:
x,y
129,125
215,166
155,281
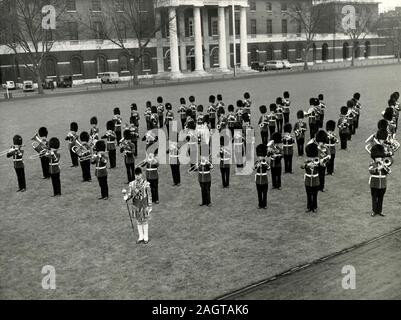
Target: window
x,y
252,5
146,62
98,30
191,27
215,57
215,26
268,6
269,27
51,67
284,52
73,30
325,52
49,35
76,66
96,5
253,26
122,31
284,7
101,64
284,27
299,28
270,52
345,51
299,50
237,27
123,63
71,6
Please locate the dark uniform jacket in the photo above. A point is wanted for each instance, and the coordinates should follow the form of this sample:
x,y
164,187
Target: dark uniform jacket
x,y
204,172
100,160
378,176
128,148
169,117
71,138
94,133
152,172
331,145
182,110
117,122
286,106
271,116
279,113
54,159
265,120
288,144
17,155
86,155
298,126
110,137
276,154
193,108
225,157
343,125
311,175
247,106
231,119
211,110
262,168
136,116
160,110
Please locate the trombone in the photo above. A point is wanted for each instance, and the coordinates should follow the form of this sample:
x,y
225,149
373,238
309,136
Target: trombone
x,y
3,153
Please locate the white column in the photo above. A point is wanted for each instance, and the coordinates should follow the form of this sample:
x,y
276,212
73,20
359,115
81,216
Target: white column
x,y
159,44
183,47
205,24
198,40
228,37
243,39
222,40
175,67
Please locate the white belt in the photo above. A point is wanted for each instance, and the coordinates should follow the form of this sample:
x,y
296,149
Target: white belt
x,y
204,172
330,145
174,156
311,175
17,160
192,142
238,143
376,176
151,169
226,159
110,142
100,168
54,164
261,174
288,145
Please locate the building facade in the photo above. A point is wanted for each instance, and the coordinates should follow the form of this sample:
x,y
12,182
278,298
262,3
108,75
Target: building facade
x,y
189,36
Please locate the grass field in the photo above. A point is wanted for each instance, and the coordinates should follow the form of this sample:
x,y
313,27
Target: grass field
x,y
194,252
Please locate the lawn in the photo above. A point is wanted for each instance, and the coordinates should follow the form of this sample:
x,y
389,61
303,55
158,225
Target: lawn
x,y
194,252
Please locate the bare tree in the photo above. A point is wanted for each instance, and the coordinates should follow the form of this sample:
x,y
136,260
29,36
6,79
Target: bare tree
x,y
122,19
390,26
21,30
309,18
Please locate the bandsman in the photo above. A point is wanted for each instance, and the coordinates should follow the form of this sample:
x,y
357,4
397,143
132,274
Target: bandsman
x,y
238,145
211,110
312,117
231,119
219,105
127,148
94,132
279,114
199,117
286,106
192,107
54,168
288,147
262,167
160,111
175,162
192,141
117,124
271,116
239,111
343,127
331,145
134,131
44,161
300,128
264,125
182,110
99,159
135,115
154,118
321,140
275,153
358,107
152,174
247,103
71,137
321,107
311,177
205,179
17,153
85,155
169,118
151,138
225,161
222,123
148,114
110,137
351,117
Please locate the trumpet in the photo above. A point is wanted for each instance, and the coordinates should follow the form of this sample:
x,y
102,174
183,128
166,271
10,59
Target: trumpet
x,y
323,162
299,131
310,113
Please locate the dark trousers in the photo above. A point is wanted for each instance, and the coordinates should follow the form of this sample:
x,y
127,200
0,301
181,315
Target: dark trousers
x,y
45,167
21,177
279,125
86,170
175,171
377,199
148,125
357,122
205,189
56,183
343,139
321,121
272,129
136,148
183,123
351,132
154,188
353,128
130,171
276,177
212,123
118,137
313,128
112,158
161,121
330,164
286,117
300,146
265,136
262,195
232,132
225,176
168,130
311,194
74,158
288,163
104,188
322,177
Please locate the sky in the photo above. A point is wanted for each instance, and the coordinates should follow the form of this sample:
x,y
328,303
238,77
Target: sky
x,y
389,4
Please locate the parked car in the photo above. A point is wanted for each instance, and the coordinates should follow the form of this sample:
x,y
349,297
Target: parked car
x,y
27,86
274,65
10,85
48,83
64,81
258,66
110,77
287,64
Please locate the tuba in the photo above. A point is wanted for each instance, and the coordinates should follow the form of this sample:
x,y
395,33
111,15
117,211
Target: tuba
x,y
370,142
394,144
80,150
38,145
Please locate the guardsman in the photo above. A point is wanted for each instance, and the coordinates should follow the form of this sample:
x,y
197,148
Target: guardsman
x,y
94,132
238,145
264,125
271,116
127,148
135,115
85,155
192,107
17,153
247,103
205,179
312,117
321,140
151,138
71,137
192,141
276,154
358,106
378,169
396,96
148,113
175,162
199,117
54,167
219,105
160,111
110,137
211,110
222,123
169,118
42,132
392,103
154,118
321,107
388,115
262,167
99,159
152,174
189,120
279,114
286,106
225,161
331,145
134,134
311,176
182,110
141,195
117,124
343,127
300,128
231,119
288,147
351,117
239,111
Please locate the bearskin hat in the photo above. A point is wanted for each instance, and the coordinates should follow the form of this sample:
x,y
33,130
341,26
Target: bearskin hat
x,y
311,150
237,126
110,125
127,134
240,103
100,145
153,109
212,99
168,106
191,99
273,107
43,132
279,100
321,136
316,102
230,108
93,120
182,101
395,95
132,119
312,101
261,150
116,111
221,110
247,95
206,119
188,113
382,134
276,137
245,117
199,108
138,171
84,136
388,114
357,96
350,104
54,143
321,96
74,126
330,125
377,151
287,128
344,110
148,104
286,94
159,99
134,106
391,102
300,114
382,124
263,109
17,140
219,97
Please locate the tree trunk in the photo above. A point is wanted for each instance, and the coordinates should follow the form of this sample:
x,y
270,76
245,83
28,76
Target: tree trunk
x,y
399,54
353,56
39,80
306,56
136,71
